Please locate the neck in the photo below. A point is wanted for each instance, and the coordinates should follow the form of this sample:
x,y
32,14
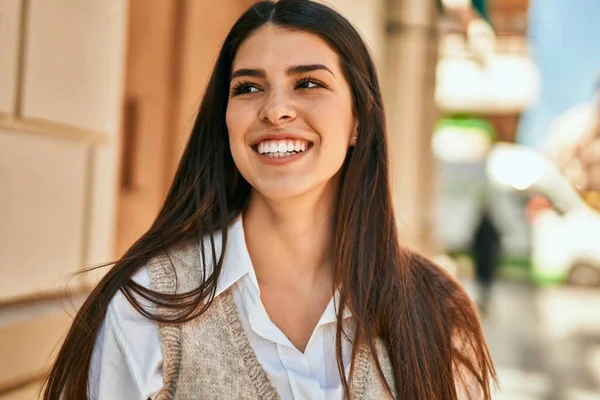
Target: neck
x,y
291,239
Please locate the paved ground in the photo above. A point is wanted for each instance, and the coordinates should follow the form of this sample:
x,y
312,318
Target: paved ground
x,y
545,342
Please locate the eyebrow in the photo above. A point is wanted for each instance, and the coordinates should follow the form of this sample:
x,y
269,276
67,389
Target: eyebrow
x,y
293,70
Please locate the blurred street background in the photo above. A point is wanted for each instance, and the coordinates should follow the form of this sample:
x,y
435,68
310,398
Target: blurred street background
x,y
493,111
545,342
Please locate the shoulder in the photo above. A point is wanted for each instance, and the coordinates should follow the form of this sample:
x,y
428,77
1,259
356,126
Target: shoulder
x,y
120,307
180,268
123,318
127,354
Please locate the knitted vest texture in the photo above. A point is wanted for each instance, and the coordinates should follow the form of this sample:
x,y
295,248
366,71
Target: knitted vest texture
x,y
211,357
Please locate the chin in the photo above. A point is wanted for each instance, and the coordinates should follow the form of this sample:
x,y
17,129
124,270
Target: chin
x,y
280,191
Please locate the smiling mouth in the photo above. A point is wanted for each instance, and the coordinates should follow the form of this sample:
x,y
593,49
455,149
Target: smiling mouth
x,y
282,148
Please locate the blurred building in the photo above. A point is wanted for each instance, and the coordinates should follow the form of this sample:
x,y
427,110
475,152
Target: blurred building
x,y
97,98
62,72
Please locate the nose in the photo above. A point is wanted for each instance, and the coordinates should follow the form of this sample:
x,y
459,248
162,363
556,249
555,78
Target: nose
x,y
277,109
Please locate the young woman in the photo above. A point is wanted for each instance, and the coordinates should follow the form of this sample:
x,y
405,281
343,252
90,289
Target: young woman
x,y
273,269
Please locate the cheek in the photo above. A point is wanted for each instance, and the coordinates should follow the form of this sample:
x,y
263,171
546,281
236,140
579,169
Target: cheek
x,y
238,119
232,120
334,121
237,123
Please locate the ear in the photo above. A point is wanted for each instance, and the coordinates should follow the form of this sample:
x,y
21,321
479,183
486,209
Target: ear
x,y
354,135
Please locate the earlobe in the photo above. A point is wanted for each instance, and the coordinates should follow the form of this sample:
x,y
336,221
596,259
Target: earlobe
x,y
354,136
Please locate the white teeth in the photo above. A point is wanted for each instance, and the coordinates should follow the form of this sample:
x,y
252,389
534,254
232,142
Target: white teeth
x,y
281,148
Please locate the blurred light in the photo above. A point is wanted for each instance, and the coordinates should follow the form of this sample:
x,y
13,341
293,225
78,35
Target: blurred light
x,y
514,166
507,80
519,384
456,3
459,144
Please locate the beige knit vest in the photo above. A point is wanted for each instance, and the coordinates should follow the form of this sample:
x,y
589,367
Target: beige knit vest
x,y
211,357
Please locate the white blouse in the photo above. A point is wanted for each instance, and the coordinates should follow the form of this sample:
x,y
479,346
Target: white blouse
x,y
127,360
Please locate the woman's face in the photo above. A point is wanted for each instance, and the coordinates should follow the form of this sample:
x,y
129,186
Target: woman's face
x,y
290,115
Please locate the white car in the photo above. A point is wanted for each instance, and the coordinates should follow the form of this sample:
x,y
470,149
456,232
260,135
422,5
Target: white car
x,y
565,235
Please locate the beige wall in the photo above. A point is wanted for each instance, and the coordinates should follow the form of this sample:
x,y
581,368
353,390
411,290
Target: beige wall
x,y
406,58
411,50
61,75
368,17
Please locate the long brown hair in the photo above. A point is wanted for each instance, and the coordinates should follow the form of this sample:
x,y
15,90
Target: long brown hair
x,y
427,322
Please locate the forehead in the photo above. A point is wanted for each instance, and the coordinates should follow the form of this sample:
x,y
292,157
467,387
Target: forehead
x,y
275,47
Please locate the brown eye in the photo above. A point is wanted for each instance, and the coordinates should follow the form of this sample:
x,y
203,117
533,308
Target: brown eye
x,y
244,88
309,84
